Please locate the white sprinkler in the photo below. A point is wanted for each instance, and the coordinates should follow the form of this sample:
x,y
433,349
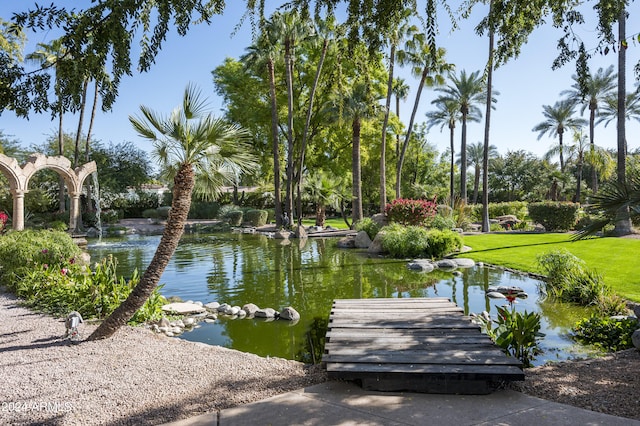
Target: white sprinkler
x,y
74,319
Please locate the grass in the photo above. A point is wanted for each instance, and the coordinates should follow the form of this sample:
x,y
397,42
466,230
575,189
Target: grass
x,y
334,222
615,258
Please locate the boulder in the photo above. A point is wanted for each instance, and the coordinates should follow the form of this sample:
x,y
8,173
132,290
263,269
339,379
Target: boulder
x,y
635,338
347,242
250,309
446,264
422,265
183,308
212,306
300,232
164,322
463,262
362,240
376,245
496,295
282,235
289,314
380,219
222,308
265,313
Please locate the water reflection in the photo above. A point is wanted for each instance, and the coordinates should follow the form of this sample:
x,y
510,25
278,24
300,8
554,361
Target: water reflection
x,y
308,275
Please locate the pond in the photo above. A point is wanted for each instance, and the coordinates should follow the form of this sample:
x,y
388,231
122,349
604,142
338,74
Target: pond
x,y
238,268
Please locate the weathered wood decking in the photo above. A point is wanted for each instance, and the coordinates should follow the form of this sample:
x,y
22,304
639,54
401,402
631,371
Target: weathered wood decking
x,y
419,344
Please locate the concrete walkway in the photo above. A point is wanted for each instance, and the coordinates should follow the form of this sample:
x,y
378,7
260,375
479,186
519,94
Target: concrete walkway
x,y
337,403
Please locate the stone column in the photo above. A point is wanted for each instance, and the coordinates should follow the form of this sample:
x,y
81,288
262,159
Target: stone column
x,y
18,209
74,218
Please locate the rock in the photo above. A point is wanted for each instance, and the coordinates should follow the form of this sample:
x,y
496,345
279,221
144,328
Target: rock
x,y
183,308
480,264
250,309
636,311
241,313
177,323
265,313
169,334
347,242
492,288
446,264
175,330
362,240
510,290
223,308
163,329
282,235
199,303
376,245
300,232
422,265
212,317
496,295
209,320
212,306
635,338
234,310
463,262
380,219
164,322
289,314
457,273
188,322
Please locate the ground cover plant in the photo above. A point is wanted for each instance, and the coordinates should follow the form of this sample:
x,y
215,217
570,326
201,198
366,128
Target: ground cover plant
x,y
614,258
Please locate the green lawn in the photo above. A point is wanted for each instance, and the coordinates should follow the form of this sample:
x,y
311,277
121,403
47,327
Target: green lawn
x,y
614,258
334,222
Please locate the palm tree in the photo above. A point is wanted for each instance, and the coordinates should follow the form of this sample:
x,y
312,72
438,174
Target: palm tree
x,y
468,91
359,104
400,91
262,54
290,29
559,118
575,151
597,88
50,56
201,153
609,110
323,191
418,54
447,114
399,32
475,155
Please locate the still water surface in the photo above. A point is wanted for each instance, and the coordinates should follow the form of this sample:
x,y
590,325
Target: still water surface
x,y
247,268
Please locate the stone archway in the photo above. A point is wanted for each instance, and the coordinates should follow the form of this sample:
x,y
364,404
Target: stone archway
x,y
19,177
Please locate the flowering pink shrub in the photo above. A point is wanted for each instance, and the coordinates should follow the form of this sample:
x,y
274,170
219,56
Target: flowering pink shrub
x,y
4,218
411,212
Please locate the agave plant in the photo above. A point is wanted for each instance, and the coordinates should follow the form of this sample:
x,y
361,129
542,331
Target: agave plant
x,y
607,204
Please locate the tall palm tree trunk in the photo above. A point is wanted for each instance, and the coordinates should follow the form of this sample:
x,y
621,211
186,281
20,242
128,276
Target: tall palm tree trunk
x,y
476,184
463,158
487,128
383,141
451,166
61,183
87,144
623,222
356,212
174,228
307,124
76,152
423,78
594,172
289,72
560,140
275,144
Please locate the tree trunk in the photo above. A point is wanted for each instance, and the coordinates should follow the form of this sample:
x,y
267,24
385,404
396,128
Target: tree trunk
x,y
560,134
320,214
594,173
87,145
579,181
487,127
182,189
356,212
307,123
463,158
623,221
61,183
451,166
83,104
275,144
423,78
383,141
289,71
476,183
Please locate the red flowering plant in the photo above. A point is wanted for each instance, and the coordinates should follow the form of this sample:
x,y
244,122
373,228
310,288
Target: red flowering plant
x,y
410,212
4,218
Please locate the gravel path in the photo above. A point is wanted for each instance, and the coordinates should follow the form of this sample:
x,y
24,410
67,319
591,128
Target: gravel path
x,y
136,377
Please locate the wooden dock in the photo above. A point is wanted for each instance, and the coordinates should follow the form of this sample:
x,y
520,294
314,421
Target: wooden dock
x,y
418,344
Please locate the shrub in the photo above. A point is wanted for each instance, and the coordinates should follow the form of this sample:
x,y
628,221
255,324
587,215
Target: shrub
x,y
515,208
163,212
608,334
568,279
555,216
224,211
25,250
368,225
443,222
416,241
58,226
110,216
235,217
411,212
150,214
256,217
204,210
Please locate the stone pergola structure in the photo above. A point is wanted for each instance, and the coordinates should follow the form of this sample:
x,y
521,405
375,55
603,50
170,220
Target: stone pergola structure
x,y
19,177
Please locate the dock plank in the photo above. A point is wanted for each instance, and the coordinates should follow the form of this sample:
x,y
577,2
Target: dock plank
x,y
419,344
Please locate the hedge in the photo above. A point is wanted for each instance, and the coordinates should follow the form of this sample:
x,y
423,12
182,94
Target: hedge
x,y
554,216
256,217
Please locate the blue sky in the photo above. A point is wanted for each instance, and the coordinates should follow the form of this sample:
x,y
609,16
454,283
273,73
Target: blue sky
x,y
525,84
